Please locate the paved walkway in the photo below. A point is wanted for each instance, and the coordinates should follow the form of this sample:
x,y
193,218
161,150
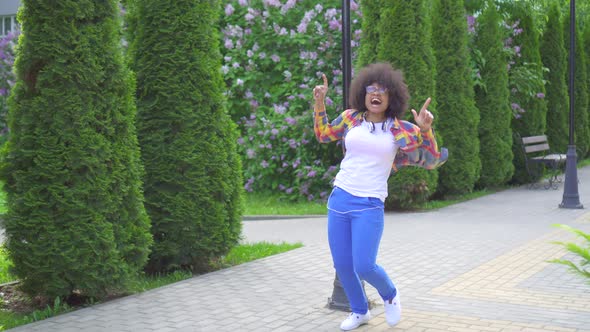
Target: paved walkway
x,y
475,266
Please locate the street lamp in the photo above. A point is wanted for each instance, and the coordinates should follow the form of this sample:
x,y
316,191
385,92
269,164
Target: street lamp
x,y
338,300
571,198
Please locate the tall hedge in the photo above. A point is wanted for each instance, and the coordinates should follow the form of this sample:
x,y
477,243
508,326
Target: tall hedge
x,y
405,42
193,177
581,101
492,100
458,117
75,219
554,57
369,32
587,49
533,120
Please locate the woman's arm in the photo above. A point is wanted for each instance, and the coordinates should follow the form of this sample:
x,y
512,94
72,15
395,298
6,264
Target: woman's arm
x,y
421,148
325,132
418,145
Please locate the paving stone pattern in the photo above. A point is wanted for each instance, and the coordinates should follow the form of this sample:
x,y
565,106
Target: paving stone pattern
x,y
479,265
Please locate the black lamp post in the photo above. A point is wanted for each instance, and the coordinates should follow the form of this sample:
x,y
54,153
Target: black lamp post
x,y
339,300
571,198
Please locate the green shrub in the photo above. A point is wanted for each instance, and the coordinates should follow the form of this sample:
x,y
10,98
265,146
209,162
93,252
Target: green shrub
x,y
526,81
274,54
581,97
492,99
193,179
75,220
404,41
554,57
458,117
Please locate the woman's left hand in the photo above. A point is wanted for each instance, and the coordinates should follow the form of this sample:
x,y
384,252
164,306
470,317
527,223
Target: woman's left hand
x,y
424,118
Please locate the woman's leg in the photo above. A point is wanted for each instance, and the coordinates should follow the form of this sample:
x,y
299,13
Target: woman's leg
x,y
340,240
367,229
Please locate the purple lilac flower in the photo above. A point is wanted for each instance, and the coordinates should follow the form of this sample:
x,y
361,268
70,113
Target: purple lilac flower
x,y
248,185
329,101
264,164
279,109
275,58
334,24
229,44
292,143
296,163
243,3
540,95
289,190
288,5
330,13
241,140
311,174
250,153
274,131
229,9
287,75
471,23
282,187
291,121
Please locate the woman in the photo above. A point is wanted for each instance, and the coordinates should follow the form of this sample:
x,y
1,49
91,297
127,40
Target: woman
x,y
376,143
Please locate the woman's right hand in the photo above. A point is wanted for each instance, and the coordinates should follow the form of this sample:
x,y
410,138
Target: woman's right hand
x,y
319,92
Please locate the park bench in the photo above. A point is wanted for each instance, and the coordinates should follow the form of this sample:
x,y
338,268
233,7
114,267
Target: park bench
x,y
538,157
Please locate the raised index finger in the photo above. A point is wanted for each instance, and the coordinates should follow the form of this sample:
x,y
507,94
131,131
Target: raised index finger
x,y
425,106
325,81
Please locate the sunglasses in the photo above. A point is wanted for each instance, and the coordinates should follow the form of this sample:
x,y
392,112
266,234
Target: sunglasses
x,y
372,89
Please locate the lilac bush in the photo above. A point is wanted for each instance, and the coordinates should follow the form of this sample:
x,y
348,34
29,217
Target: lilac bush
x,y
274,54
7,50
523,78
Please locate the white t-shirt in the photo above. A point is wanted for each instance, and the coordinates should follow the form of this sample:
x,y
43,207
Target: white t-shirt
x,y
367,164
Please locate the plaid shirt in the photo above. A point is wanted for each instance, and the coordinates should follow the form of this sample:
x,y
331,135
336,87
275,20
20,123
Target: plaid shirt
x,y
415,148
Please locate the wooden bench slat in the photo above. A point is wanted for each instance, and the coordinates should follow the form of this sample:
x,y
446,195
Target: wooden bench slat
x,y
536,148
534,139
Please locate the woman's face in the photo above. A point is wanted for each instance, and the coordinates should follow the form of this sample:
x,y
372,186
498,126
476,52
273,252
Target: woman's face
x,y
376,99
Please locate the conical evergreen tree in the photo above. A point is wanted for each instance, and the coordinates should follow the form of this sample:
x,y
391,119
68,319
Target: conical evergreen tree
x,y
586,38
554,57
458,117
405,42
193,172
370,32
581,101
533,120
75,219
492,100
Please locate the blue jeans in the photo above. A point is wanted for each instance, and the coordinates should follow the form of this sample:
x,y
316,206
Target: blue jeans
x,y
355,226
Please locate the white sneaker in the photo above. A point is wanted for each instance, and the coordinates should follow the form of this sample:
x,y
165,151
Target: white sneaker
x,y
393,310
355,320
